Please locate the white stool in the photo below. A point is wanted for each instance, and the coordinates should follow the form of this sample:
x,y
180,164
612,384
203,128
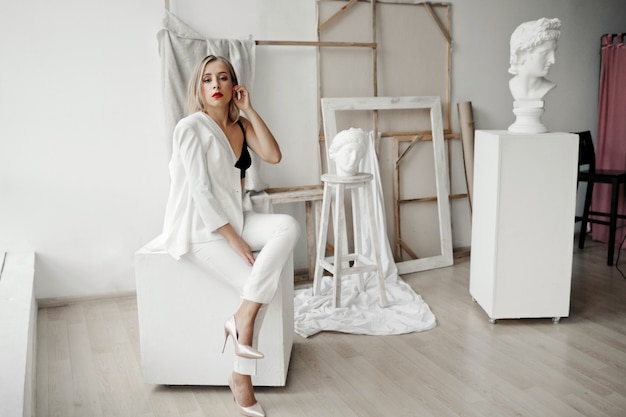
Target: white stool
x,y
339,264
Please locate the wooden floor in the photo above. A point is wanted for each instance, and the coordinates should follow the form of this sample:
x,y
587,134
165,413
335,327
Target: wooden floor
x,y
88,360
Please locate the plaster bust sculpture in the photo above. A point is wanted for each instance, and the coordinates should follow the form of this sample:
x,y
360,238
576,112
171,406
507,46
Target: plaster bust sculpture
x,y
347,150
533,45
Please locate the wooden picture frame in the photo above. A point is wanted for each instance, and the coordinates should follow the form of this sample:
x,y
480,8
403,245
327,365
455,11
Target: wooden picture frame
x,y
330,106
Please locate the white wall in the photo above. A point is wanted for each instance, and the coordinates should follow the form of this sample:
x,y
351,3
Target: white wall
x,y
83,176
81,152
284,83
481,33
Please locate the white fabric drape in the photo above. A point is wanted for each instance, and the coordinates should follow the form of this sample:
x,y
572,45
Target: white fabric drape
x,y
181,48
370,164
360,312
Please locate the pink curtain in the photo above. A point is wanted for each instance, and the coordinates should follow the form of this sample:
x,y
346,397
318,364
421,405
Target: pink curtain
x,y
611,137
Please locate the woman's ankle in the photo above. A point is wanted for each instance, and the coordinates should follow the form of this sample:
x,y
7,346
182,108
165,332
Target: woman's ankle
x,y
243,389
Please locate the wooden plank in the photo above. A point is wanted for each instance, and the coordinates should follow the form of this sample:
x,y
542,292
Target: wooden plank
x,y
407,136
408,250
86,400
335,16
429,199
318,43
60,396
292,194
432,103
440,25
396,199
295,188
411,145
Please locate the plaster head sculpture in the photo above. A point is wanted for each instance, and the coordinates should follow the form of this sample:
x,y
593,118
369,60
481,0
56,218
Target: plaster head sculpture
x,y
532,54
533,45
347,150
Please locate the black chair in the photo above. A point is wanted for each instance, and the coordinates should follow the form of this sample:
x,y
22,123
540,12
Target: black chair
x,y
587,156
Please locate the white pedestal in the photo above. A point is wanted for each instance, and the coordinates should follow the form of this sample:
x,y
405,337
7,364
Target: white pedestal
x,y
181,324
523,223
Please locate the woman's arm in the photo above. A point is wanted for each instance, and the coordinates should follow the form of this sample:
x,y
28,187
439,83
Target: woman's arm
x,y
188,147
259,137
189,150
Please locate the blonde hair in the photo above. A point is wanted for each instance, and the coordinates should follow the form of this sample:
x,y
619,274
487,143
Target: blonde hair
x,y
195,99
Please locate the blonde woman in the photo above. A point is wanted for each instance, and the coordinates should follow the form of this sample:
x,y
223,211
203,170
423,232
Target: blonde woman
x,y
208,215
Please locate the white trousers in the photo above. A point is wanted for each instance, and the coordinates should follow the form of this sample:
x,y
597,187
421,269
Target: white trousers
x,y
274,237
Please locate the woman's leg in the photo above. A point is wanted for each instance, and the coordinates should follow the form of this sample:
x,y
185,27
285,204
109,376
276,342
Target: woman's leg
x,y
241,376
275,236
220,261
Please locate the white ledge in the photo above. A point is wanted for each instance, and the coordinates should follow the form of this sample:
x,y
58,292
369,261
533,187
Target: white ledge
x,y
18,318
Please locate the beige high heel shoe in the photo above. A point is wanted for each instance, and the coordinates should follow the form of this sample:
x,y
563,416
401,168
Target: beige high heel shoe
x,y
245,351
254,410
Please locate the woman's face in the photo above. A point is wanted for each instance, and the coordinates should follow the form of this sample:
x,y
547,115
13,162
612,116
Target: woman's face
x,y
217,84
538,60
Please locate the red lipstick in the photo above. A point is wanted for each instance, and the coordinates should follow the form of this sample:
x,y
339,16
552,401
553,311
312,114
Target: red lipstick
x,y
217,95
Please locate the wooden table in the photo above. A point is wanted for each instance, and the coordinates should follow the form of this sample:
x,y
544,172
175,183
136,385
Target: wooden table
x,y
310,195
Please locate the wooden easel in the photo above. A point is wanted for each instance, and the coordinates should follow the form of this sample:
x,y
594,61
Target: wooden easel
x,y
311,193
401,246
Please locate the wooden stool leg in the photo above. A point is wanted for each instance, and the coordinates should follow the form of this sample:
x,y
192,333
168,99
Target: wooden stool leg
x,y
585,217
339,224
356,231
321,241
310,239
613,222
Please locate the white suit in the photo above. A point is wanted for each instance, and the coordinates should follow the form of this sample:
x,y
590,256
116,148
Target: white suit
x,y
206,194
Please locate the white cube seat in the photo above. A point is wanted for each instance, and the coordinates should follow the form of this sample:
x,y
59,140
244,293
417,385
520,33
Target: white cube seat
x,y
182,312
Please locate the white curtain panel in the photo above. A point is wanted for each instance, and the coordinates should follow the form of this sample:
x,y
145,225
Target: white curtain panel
x,y
181,48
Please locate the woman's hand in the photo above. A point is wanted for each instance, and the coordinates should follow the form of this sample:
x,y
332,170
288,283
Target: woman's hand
x,y
241,98
241,247
237,243
258,135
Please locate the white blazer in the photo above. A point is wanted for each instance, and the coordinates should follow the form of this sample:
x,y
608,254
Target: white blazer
x,y
205,191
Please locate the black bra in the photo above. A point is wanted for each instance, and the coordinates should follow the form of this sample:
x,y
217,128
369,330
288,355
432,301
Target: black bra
x,y
245,160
